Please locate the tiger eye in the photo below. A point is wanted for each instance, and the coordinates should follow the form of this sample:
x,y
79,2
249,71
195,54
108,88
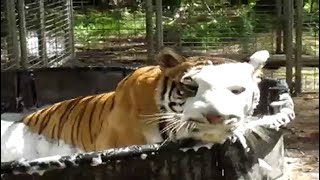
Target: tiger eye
x,y
189,90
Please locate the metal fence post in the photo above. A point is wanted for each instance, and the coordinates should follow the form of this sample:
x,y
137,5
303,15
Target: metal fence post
x,y
42,36
288,39
22,33
149,30
71,30
159,25
298,48
12,32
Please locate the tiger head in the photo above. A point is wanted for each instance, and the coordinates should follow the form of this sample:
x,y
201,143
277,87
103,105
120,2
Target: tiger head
x,y
206,98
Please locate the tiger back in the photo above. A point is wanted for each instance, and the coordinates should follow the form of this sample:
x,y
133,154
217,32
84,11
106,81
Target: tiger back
x,y
101,121
199,97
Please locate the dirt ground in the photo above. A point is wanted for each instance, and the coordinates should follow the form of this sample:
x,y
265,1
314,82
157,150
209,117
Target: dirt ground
x,y
302,140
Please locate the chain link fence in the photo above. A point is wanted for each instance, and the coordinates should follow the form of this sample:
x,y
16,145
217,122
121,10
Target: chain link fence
x,y
105,31
9,34
115,30
310,33
220,27
109,33
36,33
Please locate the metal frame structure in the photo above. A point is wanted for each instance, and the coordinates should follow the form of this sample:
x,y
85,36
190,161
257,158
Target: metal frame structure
x,y
36,33
43,33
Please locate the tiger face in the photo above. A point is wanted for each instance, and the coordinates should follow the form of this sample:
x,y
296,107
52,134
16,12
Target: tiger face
x,y
206,98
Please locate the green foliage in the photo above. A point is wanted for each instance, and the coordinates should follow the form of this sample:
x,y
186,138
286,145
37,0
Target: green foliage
x,y
97,26
194,23
311,6
221,25
311,17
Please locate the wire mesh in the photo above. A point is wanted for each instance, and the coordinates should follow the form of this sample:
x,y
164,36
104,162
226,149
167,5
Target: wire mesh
x,y
9,33
310,33
118,32
108,30
205,25
310,77
115,30
219,28
48,32
5,63
45,34
310,44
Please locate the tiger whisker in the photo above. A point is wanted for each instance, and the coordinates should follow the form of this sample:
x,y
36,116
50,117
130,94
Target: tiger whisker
x,y
169,126
188,126
169,121
157,114
193,126
166,140
172,124
158,120
181,125
161,119
171,130
155,117
176,115
178,127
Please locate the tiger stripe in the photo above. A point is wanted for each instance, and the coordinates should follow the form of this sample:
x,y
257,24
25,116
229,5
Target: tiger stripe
x,y
106,120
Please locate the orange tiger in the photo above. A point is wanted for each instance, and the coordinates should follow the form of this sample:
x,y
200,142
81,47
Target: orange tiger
x,y
199,97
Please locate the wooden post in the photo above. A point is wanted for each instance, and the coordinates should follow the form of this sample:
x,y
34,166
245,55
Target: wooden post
x,y
13,46
288,17
149,30
159,25
279,38
22,33
298,48
42,35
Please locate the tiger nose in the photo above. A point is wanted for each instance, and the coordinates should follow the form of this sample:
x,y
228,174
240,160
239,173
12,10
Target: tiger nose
x,y
214,119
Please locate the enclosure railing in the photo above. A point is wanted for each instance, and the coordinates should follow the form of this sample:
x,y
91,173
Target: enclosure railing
x,y
39,33
36,33
124,32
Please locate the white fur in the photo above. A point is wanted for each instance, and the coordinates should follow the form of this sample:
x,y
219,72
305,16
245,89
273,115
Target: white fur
x,y
214,96
18,142
259,58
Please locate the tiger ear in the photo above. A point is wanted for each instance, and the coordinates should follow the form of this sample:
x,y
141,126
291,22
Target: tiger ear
x,y
259,59
169,58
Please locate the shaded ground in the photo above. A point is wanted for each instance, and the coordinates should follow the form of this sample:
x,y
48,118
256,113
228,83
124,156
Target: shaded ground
x,y
302,140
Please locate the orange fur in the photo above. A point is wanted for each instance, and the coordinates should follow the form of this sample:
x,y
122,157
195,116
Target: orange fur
x,y
111,119
101,121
